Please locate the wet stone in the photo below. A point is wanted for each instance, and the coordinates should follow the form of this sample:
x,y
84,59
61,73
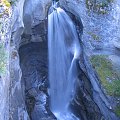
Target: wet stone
x,y
33,58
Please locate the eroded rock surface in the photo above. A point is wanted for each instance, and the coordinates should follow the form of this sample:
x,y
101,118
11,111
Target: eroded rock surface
x,y
34,67
24,20
29,24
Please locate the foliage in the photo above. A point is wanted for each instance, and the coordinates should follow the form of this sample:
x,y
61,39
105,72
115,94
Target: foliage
x,y
6,3
110,77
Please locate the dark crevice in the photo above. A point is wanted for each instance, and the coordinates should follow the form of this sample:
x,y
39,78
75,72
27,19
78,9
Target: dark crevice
x,y
34,65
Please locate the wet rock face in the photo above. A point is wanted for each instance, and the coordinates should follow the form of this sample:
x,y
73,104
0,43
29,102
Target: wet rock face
x,y
100,19
35,21
98,39
28,15
38,34
83,104
17,108
88,103
33,59
27,26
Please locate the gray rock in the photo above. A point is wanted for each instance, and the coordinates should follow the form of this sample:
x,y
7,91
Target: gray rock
x,y
29,24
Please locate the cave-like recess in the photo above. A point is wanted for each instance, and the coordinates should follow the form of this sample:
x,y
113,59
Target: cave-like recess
x,y
34,66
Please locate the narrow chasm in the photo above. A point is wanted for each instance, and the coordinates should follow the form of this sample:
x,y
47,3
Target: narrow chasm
x,y
34,65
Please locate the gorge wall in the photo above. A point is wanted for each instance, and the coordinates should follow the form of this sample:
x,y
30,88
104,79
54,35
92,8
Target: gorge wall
x,y
97,94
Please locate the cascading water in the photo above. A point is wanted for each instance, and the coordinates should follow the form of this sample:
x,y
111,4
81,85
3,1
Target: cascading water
x,y
64,49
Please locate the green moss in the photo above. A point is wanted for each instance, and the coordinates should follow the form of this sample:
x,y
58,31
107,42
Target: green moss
x,y
110,1
3,59
1,15
103,12
94,36
98,7
110,78
117,110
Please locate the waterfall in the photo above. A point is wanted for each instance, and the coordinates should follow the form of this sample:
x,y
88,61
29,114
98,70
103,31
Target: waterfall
x,y
64,49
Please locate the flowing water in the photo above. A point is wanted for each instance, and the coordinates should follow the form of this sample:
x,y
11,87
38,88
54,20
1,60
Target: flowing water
x,y
64,49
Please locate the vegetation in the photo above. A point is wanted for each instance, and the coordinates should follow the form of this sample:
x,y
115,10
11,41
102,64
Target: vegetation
x,y
4,15
98,7
94,36
109,76
3,59
6,3
117,110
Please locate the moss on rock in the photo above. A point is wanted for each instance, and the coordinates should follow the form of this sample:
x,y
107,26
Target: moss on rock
x,y
94,36
100,7
109,76
3,59
117,111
